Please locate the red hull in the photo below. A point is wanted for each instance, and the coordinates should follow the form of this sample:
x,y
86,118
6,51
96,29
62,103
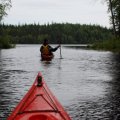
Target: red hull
x,y
47,57
39,104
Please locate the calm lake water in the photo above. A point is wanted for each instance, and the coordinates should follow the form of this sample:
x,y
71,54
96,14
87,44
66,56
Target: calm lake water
x,y
86,82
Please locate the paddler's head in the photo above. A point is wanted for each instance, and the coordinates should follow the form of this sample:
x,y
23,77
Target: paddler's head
x,y
45,42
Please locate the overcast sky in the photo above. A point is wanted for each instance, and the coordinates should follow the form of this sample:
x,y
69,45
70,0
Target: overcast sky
x,y
59,11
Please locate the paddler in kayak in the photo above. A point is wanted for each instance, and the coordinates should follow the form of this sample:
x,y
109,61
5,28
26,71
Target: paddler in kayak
x,y
47,51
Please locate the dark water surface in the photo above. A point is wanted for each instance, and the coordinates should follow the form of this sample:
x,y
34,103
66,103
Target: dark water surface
x,y
86,82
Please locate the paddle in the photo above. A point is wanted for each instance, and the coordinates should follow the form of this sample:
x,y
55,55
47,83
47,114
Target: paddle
x,y
60,52
59,41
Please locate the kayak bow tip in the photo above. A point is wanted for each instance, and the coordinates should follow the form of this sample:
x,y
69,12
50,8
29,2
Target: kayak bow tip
x,y
39,80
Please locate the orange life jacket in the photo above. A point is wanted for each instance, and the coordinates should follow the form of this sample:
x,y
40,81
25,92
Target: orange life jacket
x,y
45,50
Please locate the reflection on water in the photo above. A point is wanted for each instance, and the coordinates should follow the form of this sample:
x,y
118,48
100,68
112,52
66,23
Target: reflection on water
x,y
86,82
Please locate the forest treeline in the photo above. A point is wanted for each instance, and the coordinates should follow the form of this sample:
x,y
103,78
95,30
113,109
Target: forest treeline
x,y
66,32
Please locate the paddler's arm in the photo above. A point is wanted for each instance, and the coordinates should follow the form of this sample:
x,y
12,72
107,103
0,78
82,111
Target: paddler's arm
x,y
53,49
41,48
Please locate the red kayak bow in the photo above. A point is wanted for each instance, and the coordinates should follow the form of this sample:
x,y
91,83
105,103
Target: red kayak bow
x,y
39,104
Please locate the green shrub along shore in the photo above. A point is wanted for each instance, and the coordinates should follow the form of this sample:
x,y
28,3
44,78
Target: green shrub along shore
x,y
110,45
5,43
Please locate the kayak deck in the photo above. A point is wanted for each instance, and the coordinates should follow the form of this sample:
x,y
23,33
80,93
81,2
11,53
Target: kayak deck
x,y
39,104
